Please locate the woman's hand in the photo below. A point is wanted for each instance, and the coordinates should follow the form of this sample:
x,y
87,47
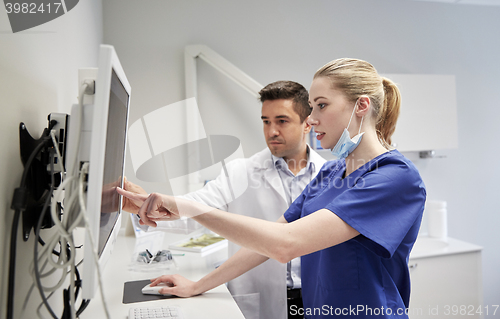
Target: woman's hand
x,y
176,285
155,207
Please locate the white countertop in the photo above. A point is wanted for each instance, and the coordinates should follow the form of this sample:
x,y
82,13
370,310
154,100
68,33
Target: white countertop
x,y
431,247
216,303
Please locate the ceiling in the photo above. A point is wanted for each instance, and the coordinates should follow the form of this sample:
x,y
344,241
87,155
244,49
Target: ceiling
x,y
469,2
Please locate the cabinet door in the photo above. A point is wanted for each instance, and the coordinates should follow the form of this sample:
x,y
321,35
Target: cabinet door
x,y
447,286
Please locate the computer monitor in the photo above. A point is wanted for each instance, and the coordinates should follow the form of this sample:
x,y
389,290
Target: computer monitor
x,y
102,142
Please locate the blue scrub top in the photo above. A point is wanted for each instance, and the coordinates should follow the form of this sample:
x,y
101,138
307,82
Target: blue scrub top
x,y
367,276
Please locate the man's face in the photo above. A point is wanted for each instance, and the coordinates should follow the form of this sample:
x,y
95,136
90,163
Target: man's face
x,y
285,134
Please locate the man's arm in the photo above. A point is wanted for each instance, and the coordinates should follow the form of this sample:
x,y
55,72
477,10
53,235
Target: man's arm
x,y
238,264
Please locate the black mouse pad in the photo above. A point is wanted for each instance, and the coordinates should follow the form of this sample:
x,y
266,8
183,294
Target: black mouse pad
x,y
132,292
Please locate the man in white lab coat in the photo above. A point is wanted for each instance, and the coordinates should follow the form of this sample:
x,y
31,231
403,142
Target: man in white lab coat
x,y
275,176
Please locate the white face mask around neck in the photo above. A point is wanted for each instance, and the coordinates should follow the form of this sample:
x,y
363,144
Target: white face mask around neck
x,y
346,144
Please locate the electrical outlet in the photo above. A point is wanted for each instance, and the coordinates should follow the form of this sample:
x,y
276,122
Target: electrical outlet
x,y
86,75
60,130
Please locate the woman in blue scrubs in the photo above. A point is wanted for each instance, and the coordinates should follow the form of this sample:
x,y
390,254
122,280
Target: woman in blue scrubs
x,y
354,225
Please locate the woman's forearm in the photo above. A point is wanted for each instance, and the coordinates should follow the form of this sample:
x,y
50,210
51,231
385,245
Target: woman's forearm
x,y
281,241
264,237
261,236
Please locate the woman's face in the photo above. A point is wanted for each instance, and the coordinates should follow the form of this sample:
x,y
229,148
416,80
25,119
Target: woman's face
x,y
331,111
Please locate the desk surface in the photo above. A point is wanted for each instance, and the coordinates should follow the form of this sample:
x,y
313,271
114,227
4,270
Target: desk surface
x,y
433,247
216,303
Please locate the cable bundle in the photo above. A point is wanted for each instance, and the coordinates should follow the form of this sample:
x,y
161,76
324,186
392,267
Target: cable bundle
x,y
57,257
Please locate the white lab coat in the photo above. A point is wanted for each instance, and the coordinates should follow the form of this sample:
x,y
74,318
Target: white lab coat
x,y
261,292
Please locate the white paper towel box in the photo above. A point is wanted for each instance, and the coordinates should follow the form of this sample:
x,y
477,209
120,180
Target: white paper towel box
x,y
428,118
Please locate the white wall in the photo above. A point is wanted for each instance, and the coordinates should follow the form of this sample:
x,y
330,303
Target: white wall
x,y
38,75
290,40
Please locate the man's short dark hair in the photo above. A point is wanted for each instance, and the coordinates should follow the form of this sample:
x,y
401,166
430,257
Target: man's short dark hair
x,y
288,90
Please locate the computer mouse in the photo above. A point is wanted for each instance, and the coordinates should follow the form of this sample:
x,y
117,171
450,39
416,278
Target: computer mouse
x,y
148,290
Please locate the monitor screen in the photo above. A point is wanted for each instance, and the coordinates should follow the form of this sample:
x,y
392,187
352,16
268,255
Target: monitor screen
x,y
103,136
113,159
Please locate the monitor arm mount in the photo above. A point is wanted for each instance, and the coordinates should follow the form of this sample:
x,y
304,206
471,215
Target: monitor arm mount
x,y
31,196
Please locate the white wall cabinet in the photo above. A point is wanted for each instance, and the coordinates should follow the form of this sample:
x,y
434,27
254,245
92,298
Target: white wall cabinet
x,y
446,280
428,118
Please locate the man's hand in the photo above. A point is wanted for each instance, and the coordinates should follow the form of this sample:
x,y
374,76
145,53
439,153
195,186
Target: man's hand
x,y
132,205
155,207
176,285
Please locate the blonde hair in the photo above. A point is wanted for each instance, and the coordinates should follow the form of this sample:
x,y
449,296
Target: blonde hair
x,y
359,78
